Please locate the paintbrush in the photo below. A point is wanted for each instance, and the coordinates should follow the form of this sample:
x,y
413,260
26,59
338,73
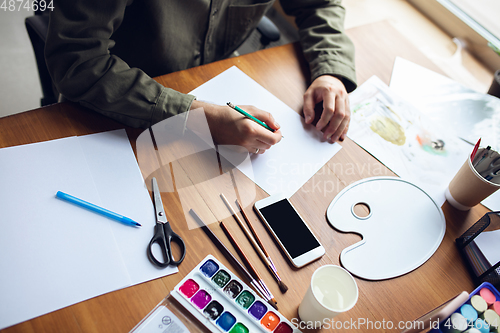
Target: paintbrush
x,y
264,255
272,300
252,240
225,251
256,246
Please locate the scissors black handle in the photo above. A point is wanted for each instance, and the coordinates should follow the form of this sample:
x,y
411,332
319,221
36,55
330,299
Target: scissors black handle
x,y
164,236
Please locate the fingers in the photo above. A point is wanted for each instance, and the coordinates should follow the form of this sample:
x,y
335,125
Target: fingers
x,y
348,108
336,115
258,147
309,104
228,127
344,133
260,136
339,121
260,141
330,109
264,116
254,137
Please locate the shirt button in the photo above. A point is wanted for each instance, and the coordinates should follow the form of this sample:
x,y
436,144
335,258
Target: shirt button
x,y
215,11
197,54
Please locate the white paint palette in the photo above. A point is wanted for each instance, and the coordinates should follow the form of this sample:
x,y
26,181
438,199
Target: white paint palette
x,y
402,230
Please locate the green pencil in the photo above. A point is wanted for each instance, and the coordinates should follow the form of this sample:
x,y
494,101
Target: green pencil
x,y
249,116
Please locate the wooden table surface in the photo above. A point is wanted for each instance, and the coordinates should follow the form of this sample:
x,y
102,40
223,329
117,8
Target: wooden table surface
x,y
280,70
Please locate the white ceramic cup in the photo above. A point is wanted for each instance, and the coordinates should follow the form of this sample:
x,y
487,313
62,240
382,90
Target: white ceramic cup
x,y
333,290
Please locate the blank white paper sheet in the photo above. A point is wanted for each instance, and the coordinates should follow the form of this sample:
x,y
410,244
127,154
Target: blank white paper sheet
x,y
289,164
54,253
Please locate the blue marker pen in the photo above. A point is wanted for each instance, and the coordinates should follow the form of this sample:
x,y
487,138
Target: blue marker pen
x,y
97,209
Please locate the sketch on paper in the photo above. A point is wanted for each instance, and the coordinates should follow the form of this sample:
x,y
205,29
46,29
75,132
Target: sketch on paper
x,y
469,114
403,138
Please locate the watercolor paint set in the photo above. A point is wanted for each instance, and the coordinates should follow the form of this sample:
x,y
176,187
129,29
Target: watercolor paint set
x,y
212,298
224,303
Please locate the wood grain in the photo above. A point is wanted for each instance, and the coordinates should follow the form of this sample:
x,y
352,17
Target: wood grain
x,y
280,70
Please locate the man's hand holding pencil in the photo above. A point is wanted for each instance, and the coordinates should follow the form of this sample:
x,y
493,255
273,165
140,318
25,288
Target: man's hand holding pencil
x,y
229,126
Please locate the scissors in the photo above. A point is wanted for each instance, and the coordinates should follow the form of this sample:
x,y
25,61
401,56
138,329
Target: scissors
x,y
164,235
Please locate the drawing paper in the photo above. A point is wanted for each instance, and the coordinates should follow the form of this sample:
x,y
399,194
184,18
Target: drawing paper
x,y
296,158
404,139
467,113
54,253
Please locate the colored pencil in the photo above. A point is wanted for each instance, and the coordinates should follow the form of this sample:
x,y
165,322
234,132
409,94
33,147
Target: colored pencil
x,y
249,116
103,211
474,151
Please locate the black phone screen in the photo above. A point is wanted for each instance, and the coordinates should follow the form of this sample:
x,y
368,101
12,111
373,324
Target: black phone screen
x,y
289,227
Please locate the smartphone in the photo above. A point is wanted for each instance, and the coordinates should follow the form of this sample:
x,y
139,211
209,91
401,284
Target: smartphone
x,y
289,230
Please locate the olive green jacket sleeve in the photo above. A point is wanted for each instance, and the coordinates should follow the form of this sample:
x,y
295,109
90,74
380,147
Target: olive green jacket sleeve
x,y
326,47
158,37
83,69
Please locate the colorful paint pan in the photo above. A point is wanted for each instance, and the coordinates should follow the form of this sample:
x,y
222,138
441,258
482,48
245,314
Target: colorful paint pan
x,y
245,299
239,328
221,278
270,320
189,288
213,310
224,303
283,328
226,321
201,299
233,289
258,310
209,268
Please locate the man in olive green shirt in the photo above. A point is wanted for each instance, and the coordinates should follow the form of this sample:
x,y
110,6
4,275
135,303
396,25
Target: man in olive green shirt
x,y
103,53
